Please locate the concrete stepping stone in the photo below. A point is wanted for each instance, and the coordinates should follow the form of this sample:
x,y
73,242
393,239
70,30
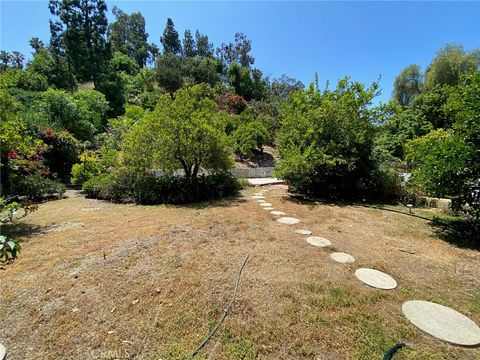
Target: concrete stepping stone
x,y
3,352
342,257
442,322
288,220
303,232
267,208
376,279
277,213
318,241
258,193
266,204
258,197
261,200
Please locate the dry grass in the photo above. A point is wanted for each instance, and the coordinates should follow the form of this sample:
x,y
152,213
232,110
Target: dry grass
x,y
104,281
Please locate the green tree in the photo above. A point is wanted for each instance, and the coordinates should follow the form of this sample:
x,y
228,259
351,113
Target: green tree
x,y
36,44
184,133
17,60
239,78
238,51
285,85
202,70
5,58
189,47
128,36
204,48
447,162
170,41
169,72
81,27
325,140
408,85
450,63
250,136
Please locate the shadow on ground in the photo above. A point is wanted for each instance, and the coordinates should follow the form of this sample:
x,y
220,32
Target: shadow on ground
x,y
21,231
463,233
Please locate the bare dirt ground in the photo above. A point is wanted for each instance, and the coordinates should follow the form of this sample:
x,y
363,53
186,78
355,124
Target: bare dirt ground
x,y
105,281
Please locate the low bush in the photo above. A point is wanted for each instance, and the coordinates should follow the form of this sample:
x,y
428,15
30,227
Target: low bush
x,y
37,187
150,190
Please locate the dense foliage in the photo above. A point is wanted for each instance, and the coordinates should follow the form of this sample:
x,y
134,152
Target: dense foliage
x,y
326,140
99,105
447,161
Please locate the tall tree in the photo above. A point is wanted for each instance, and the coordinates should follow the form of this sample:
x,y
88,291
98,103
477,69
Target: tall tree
x,y
408,84
204,48
238,52
286,85
5,58
128,36
82,26
17,59
36,44
189,47
450,63
170,41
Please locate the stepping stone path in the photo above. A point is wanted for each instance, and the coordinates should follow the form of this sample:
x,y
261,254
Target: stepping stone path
x,y
342,257
303,232
376,279
318,241
288,220
442,322
436,320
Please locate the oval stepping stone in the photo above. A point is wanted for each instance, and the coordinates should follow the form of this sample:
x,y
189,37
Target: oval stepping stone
x,y
258,197
3,352
265,204
376,279
342,257
303,232
267,208
261,200
258,194
442,322
318,241
288,220
276,212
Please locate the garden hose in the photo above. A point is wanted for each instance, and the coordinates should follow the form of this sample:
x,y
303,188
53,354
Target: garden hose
x,y
390,352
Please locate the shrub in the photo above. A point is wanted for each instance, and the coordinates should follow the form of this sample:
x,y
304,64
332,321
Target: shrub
x,y
116,187
250,136
62,152
230,102
36,187
150,190
326,139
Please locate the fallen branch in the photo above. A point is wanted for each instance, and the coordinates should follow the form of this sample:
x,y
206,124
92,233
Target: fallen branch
x,y
226,310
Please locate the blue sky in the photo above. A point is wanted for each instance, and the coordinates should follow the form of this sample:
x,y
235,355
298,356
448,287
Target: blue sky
x,y
362,39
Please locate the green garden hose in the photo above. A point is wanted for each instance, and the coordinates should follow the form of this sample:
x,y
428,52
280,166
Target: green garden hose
x,y
390,352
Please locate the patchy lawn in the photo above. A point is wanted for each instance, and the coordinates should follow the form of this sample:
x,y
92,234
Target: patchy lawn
x,y
104,281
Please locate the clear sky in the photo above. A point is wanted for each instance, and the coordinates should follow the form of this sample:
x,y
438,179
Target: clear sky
x,y
362,39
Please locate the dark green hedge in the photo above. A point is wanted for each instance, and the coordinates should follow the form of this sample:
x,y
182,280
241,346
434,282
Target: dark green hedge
x,y
150,190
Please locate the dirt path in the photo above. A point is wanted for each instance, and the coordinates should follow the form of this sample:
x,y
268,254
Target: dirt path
x,y
106,281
